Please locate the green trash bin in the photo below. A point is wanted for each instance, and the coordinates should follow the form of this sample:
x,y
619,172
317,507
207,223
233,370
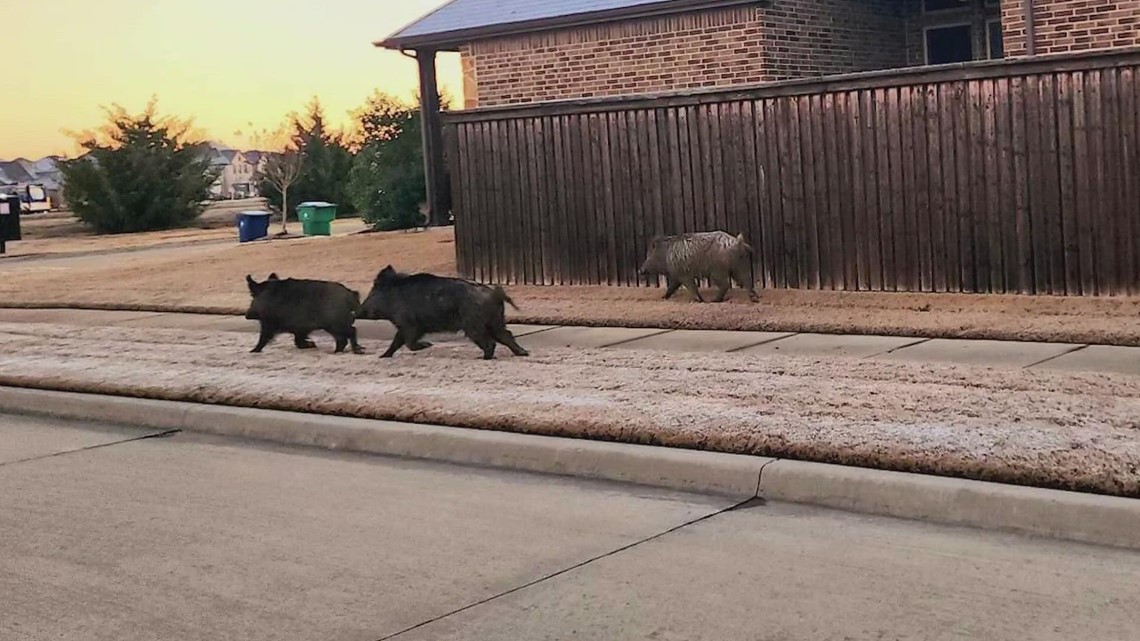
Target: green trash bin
x,y
316,218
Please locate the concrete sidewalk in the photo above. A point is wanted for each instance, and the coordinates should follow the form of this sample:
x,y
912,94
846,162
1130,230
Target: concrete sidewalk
x,y
1062,356
112,536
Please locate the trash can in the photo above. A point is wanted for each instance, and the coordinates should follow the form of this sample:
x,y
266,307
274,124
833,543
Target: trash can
x,y
9,220
252,225
316,218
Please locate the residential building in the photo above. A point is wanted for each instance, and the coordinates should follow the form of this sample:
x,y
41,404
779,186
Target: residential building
x,y
523,51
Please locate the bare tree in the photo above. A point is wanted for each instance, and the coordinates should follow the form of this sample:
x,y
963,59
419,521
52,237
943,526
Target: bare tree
x,y
282,170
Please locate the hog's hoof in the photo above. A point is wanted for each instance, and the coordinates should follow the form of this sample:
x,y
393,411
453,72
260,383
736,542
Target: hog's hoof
x,y
522,354
420,346
358,351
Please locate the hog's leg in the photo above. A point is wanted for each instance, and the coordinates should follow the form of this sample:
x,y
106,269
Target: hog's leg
x,y
483,339
691,283
268,333
302,341
416,342
356,348
723,284
743,277
397,343
341,342
504,336
674,285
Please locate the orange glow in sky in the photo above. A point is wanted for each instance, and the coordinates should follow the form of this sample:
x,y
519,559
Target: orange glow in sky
x,y
235,66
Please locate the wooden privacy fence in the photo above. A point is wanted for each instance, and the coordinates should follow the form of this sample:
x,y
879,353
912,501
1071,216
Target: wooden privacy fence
x,y
992,177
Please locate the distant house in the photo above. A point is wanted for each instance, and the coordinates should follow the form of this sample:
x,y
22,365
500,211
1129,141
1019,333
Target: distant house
x,y
526,51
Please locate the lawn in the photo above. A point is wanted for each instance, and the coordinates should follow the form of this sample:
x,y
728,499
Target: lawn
x,y
1065,430
210,278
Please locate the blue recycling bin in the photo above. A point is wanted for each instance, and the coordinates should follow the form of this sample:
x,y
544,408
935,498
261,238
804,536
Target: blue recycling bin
x,y
252,225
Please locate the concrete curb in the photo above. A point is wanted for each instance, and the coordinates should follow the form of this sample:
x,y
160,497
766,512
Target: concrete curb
x,y
1071,516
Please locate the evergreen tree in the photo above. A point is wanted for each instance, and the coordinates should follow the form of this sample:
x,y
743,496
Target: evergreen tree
x,y
139,173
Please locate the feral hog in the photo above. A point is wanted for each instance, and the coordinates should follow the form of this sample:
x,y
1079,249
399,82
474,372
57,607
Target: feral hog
x,y
716,255
300,307
421,304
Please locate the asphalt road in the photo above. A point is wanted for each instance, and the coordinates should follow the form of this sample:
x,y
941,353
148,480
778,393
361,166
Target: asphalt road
x,y
106,534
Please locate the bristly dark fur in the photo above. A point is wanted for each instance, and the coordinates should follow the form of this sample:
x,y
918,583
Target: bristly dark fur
x,y
717,255
300,307
421,304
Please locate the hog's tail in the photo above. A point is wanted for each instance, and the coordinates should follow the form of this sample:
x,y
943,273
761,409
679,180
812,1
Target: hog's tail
x,y
502,297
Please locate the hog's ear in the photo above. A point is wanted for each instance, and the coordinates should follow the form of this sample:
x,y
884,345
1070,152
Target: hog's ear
x,y
273,276
254,286
387,272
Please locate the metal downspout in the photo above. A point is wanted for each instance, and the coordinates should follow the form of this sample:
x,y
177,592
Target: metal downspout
x,y
1030,29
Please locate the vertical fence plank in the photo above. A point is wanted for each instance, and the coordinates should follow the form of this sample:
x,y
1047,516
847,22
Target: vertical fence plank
x,y
653,220
809,158
907,209
920,181
712,169
821,208
934,137
869,136
948,112
751,178
886,132
1051,184
792,190
1129,187
994,212
1021,187
1066,173
490,203
1006,179
1034,191
775,179
979,270
1084,187
964,236
1109,158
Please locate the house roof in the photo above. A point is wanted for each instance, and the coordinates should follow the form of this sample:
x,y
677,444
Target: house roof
x,y
461,21
16,172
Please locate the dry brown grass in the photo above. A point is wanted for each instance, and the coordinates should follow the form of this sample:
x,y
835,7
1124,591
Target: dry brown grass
x,y
210,279
1072,431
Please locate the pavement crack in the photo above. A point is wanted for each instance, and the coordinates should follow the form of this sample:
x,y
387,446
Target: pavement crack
x,y
91,447
747,502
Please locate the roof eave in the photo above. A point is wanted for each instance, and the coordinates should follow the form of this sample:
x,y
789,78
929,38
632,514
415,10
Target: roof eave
x,y
452,40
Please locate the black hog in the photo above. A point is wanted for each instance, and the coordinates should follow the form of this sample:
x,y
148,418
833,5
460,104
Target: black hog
x,y
300,307
716,255
421,304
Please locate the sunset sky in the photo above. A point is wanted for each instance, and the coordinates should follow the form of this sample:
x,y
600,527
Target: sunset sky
x,y
233,65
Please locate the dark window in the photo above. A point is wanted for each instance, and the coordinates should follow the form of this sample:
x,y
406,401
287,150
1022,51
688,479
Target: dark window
x,y
949,44
943,5
994,40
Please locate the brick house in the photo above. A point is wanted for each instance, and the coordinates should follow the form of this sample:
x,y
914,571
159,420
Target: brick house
x,y
521,51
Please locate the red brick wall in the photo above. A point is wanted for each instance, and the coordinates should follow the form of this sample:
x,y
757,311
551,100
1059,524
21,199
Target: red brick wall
x,y
714,48
1072,25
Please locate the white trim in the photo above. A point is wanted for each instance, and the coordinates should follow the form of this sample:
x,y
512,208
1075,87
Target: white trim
x,y
945,25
